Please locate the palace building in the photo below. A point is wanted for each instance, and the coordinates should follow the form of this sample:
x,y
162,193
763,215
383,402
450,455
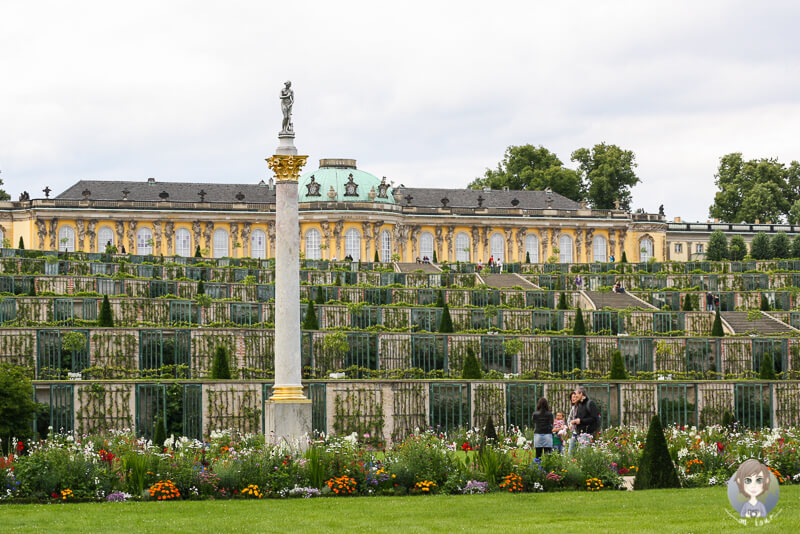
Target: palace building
x,y
344,211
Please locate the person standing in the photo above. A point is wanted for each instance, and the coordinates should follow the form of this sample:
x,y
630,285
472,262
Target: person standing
x,y
709,301
542,428
586,414
500,265
572,430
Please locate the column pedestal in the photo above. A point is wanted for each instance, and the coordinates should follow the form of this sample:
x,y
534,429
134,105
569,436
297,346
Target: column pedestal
x,y
288,420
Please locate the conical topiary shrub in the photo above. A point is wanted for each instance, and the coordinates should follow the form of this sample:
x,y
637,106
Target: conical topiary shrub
x,y
435,259
338,280
201,288
489,431
21,245
32,288
716,330
320,295
618,371
376,259
310,320
562,301
624,258
579,328
197,252
106,318
527,257
446,322
656,469
220,369
440,299
471,369
159,432
764,303
767,369
727,419
687,303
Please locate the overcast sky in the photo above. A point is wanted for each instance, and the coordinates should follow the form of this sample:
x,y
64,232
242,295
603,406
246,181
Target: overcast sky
x,y
425,93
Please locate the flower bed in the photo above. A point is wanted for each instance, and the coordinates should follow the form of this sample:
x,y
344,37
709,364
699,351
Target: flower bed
x,y
120,467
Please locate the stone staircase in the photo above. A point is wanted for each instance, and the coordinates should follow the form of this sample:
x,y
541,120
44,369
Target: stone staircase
x,y
411,267
618,301
506,280
737,320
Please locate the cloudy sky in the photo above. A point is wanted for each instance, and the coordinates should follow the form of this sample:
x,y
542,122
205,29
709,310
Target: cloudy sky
x,y
425,93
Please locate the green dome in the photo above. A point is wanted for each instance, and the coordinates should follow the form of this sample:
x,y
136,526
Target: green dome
x,y
349,184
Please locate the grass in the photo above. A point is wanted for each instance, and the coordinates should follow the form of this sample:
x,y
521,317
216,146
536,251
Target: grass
x,y
687,510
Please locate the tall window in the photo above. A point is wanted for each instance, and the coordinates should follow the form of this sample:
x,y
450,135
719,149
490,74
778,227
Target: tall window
x,y
220,241
386,246
498,245
66,239
144,239
565,248
426,245
105,237
313,241
352,244
258,244
183,242
599,247
646,249
462,246
532,247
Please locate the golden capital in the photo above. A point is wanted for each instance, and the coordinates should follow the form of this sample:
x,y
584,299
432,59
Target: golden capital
x,y
286,167
288,394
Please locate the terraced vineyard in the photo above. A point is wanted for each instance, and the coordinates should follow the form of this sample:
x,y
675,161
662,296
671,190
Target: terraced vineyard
x,y
396,371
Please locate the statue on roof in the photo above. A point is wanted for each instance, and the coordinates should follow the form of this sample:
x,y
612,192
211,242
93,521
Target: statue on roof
x,y
287,101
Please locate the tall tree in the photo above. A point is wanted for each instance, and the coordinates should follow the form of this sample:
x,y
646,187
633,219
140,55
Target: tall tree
x,y
531,168
607,175
780,246
737,249
3,194
717,246
760,247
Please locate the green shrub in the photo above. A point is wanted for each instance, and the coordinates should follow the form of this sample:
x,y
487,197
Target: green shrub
x,y
780,247
716,330
440,299
618,371
310,321
434,260
471,369
32,288
624,258
320,295
527,257
687,303
446,323
201,288
106,318
727,419
197,253
21,245
16,405
159,432
562,301
220,369
656,470
376,259
579,328
767,369
717,246
737,249
764,305
760,247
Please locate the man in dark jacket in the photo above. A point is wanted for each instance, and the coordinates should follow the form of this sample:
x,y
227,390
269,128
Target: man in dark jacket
x,y
585,419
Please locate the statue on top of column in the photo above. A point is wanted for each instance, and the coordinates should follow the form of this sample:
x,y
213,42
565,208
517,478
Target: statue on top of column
x,y
287,101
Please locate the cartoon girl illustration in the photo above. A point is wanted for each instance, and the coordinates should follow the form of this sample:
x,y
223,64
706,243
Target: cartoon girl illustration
x,y
752,479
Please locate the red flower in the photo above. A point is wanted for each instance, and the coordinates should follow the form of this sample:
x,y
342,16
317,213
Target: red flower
x,y
466,447
720,447
20,447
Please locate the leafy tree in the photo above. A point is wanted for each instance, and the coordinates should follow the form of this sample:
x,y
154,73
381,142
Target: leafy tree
x,y
3,194
618,371
762,189
16,405
716,330
717,246
221,369
607,175
106,318
780,246
737,249
534,169
471,369
579,328
310,320
796,247
197,253
21,245
562,301
794,213
656,470
767,369
760,247
446,322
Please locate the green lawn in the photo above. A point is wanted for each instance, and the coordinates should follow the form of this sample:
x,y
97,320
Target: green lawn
x,y
688,510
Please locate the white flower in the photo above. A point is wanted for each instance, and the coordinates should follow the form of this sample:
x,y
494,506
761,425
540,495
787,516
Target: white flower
x,y
521,441
682,453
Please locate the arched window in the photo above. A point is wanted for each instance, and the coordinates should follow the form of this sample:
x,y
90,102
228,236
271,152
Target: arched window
x,y
144,240
645,249
313,240
462,246
532,247
258,244
220,241
183,242
426,245
386,246
498,245
66,239
105,237
352,244
599,248
565,249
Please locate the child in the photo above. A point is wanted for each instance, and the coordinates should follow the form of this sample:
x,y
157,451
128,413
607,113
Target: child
x,y
560,431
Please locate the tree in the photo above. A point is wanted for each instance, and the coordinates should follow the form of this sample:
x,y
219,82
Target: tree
x,y
796,247
656,470
310,320
440,299
717,246
760,247
716,330
320,295
471,369
106,318
794,213
489,431
527,257
607,175
780,247
201,288
534,169
737,249
434,259
197,253
446,322
687,303
562,301
376,259
21,245
579,328
762,189
618,371
3,194
159,432
16,405
767,369
220,369
624,258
